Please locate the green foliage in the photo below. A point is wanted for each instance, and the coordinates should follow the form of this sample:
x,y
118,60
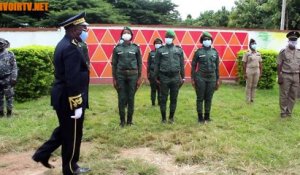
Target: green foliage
x,y
268,78
35,73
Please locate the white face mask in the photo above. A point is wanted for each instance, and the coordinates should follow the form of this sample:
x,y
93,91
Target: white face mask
x,y
253,46
293,44
207,43
157,46
126,36
169,40
84,35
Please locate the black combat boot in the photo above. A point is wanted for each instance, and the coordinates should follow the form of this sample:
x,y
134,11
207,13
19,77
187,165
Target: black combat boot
x,y
153,103
9,113
207,117
171,117
163,117
1,113
129,120
200,118
122,119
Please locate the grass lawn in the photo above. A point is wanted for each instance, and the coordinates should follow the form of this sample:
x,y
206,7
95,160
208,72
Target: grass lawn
x,y
242,139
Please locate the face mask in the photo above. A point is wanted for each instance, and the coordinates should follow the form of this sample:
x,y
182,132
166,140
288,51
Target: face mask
x,y
157,46
253,46
84,35
169,40
207,43
293,43
126,37
121,41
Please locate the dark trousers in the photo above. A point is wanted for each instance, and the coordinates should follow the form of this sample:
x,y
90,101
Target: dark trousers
x,y
154,90
205,91
169,85
126,93
68,134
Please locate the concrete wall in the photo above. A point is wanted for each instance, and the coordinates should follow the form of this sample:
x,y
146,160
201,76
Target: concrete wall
x,y
102,40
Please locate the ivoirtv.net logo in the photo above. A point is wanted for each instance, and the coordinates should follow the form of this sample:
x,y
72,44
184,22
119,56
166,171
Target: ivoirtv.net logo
x,y
23,6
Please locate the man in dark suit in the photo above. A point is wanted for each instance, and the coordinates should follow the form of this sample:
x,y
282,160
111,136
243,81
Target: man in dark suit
x,y
68,97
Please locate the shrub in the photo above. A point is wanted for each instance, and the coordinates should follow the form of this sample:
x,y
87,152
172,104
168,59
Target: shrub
x,y
268,78
35,75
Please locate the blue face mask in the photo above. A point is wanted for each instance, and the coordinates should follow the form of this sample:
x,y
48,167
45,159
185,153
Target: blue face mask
x,y
253,46
84,35
207,43
169,40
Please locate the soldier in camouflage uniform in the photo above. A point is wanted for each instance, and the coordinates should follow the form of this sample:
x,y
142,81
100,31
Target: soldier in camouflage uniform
x,y
127,71
8,77
205,75
169,68
150,72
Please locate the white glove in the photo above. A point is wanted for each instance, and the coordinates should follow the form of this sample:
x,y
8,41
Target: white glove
x,y
78,113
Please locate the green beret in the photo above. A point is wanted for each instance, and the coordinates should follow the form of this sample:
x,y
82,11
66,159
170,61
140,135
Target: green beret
x,y
205,34
127,28
157,40
170,33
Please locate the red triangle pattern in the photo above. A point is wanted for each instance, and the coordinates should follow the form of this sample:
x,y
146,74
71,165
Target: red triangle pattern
x,y
241,36
99,67
196,36
116,34
221,50
188,49
179,35
228,66
108,49
92,48
148,34
226,36
99,33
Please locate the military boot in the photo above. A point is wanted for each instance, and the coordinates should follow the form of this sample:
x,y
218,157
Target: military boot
x,y
171,117
122,119
200,118
129,120
163,116
1,113
9,113
207,117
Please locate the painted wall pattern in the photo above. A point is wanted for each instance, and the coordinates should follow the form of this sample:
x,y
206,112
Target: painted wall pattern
x,y
102,40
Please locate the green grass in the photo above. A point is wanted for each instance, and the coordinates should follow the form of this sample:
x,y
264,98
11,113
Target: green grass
x,y
242,139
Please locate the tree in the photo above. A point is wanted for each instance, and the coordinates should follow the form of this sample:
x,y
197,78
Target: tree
x,y
213,19
264,14
147,11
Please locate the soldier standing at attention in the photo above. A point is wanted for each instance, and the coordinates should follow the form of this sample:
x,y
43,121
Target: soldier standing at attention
x,y
127,71
252,66
8,77
205,76
169,67
150,72
68,97
288,69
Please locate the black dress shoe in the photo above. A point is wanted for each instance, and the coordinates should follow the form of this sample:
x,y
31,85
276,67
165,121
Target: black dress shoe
x,y
45,162
82,170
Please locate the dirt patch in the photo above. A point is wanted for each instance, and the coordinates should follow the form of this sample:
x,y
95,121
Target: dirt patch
x,y
166,163
22,164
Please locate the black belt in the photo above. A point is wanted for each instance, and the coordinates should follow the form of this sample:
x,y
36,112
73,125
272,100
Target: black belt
x,y
169,74
129,71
